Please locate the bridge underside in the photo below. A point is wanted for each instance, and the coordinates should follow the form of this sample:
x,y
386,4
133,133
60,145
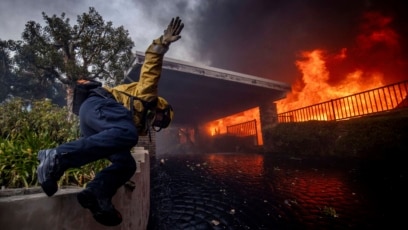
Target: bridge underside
x,y
201,94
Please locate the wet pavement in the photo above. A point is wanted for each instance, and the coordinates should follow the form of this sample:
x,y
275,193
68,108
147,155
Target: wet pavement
x,y
256,191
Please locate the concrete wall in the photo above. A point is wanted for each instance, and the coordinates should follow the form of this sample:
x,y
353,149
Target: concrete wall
x,y
148,143
30,209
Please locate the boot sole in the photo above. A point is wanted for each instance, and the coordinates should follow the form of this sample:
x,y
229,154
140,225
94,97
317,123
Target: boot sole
x,y
110,217
50,187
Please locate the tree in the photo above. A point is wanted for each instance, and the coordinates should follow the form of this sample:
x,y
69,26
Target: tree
x,y
59,52
14,85
5,70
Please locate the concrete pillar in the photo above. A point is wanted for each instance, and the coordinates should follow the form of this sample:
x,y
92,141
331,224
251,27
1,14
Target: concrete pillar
x,y
149,143
269,118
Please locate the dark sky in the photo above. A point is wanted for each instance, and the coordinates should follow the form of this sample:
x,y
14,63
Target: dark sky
x,y
264,38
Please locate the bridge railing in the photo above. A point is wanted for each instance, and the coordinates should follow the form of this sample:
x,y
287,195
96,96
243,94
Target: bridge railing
x,y
382,99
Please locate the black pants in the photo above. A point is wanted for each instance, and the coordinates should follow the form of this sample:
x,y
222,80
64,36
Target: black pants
x,y
108,131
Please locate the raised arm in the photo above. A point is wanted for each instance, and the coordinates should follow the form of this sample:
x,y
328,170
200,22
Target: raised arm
x,y
147,87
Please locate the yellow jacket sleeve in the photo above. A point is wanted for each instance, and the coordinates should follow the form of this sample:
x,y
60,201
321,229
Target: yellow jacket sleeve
x,y
147,87
151,70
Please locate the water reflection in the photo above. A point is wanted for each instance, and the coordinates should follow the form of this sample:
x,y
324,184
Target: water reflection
x,y
232,165
255,191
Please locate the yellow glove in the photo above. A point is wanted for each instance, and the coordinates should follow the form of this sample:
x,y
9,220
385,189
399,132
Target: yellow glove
x,y
172,33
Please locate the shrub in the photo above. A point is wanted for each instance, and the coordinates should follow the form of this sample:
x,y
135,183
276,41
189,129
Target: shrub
x,y
304,138
382,136
29,126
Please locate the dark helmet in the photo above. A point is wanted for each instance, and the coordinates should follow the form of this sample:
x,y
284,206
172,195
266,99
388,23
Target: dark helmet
x,y
164,114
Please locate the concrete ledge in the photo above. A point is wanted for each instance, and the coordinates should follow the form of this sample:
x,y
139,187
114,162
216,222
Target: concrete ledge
x,y
32,210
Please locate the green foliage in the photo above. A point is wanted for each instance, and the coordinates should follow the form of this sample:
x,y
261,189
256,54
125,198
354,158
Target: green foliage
x,y
79,177
377,137
18,158
60,54
305,138
5,70
91,49
20,118
24,85
29,126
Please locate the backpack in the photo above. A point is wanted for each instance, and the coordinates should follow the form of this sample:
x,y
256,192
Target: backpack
x,y
147,111
81,92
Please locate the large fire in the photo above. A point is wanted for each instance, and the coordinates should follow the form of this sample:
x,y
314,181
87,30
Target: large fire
x,y
373,62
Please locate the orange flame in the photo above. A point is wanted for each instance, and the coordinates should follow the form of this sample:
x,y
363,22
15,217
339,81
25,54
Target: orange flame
x,y
374,61
363,67
219,126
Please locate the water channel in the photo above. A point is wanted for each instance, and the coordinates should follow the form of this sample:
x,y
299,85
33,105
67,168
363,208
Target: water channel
x,y
267,191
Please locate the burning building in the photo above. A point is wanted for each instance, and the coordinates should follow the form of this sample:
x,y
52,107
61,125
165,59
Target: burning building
x,y
358,49
209,101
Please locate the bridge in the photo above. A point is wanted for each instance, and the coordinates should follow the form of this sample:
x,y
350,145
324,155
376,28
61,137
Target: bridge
x,y
200,94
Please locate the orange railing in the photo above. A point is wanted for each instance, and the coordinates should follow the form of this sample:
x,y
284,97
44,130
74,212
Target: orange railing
x,y
385,98
245,129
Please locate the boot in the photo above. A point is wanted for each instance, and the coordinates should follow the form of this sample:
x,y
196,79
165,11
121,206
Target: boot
x,y
49,171
100,206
